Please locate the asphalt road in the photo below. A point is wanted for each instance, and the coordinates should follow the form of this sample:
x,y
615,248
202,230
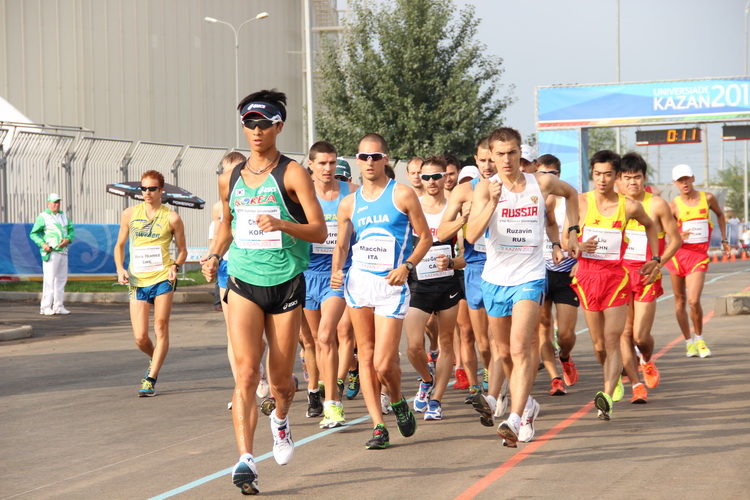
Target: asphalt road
x,y
71,425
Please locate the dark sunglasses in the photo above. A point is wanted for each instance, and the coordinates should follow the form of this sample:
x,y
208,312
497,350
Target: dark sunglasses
x,y
556,172
435,177
263,124
149,188
373,156
341,178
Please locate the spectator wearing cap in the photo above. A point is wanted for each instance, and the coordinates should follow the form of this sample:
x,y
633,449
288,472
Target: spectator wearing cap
x,y
343,170
529,164
53,233
468,173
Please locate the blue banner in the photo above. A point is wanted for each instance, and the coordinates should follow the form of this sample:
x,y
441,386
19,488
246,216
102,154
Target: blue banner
x,y
566,146
92,250
703,100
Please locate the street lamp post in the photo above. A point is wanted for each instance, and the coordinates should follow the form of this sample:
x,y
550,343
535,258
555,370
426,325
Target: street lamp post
x,y
236,32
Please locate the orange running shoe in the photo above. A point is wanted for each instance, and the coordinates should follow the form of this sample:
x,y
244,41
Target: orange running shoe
x,y
640,395
558,389
570,372
462,381
650,374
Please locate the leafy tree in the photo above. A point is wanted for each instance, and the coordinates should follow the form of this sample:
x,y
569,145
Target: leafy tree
x,y
412,71
733,178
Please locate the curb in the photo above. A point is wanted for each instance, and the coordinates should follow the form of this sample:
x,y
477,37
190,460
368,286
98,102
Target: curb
x,y
19,332
732,305
196,297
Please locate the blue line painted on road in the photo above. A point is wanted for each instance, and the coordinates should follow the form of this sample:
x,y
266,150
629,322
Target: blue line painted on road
x,y
265,456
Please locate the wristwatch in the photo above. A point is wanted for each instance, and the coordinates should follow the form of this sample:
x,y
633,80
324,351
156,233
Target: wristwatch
x,y
556,243
218,257
409,265
451,264
656,258
576,228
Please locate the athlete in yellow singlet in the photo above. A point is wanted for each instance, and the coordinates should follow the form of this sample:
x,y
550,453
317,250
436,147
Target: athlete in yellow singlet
x,y
149,228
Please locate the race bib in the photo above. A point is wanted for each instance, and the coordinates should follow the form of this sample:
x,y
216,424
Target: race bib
x,y
330,243
248,235
374,253
427,268
698,230
609,243
481,245
147,259
637,246
517,237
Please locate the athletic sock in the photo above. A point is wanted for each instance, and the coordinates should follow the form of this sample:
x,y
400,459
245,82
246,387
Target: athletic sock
x,y
328,404
313,391
698,338
636,385
151,379
529,403
515,420
564,360
246,457
688,341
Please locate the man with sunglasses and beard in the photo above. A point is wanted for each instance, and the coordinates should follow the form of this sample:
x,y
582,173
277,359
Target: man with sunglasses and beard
x,y
382,214
435,289
270,216
151,276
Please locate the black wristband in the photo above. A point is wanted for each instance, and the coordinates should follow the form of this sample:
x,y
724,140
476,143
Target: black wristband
x,y
175,264
451,264
556,243
725,241
656,258
576,228
218,257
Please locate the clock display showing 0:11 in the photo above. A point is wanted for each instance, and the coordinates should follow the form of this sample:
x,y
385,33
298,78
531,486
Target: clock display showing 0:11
x,y
668,136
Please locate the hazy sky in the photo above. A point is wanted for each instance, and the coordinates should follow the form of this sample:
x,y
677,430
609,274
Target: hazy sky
x,y
547,42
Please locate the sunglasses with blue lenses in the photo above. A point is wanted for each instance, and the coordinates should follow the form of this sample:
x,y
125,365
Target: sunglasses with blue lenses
x,y
435,177
262,123
149,188
371,156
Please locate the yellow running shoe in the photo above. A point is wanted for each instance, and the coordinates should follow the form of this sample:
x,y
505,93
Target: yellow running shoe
x,y
692,352
619,391
703,350
603,403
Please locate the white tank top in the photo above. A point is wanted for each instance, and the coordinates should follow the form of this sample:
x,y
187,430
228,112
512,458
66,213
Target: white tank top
x,y
516,237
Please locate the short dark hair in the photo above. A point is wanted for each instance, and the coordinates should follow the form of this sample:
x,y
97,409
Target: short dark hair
x,y
549,160
633,162
272,96
505,134
438,160
233,158
372,136
606,156
154,174
321,147
484,143
451,159
389,171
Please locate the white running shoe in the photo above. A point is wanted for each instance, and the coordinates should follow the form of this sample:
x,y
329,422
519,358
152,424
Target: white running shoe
x,y
61,310
46,312
245,476
385,403
283,445
526,433
263,390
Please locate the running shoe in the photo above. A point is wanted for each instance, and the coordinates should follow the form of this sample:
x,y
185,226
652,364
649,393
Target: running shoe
x,y
486,380
314,404
147,389
619,392
473,390
283,445
486,406
558,388
509,434
47,312
304,366
462,381
692,351
229,406
527,430
148,370
340,386
245,477
650,374
407,424
432,358
423,396
352,388
502,405
380,439
296,382
264,389
61,310
640,395
570,372
604,404
434,410
333,417
703,350
385,404
267,406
